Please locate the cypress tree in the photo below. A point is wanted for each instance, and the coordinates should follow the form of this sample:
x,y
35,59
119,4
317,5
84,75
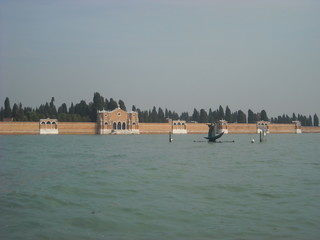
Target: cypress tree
x,y
1,113
315,120
112,104
7,108
71,109
210,116
122,105
264,116
203,118
195,116
98,102
294,118
52,109
250,116
221,113
241,118
161,116
184,116
63,108
228,114
154,115
15,112
309,120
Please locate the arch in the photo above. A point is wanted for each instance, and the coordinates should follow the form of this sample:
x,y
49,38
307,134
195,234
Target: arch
x,y
123,126
43,123
114,126
106,123
48,122
119,126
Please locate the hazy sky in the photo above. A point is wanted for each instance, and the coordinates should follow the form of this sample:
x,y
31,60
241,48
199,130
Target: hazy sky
x,y
175,54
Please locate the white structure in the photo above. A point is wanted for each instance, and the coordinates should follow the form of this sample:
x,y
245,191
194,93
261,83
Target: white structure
x,y
179,127
48,126
263,126
297,126
222,127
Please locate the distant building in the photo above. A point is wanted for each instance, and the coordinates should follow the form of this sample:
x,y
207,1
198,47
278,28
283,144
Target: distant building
x,y
118,121
178,127
48,126
263,126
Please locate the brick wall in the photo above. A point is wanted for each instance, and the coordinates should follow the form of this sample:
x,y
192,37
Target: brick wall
x,y
310,129
77,128
197,128
282,128
242,128
155,128
19,127
146,128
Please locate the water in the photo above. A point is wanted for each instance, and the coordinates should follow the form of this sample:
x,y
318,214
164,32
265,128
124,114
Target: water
x,y
143,187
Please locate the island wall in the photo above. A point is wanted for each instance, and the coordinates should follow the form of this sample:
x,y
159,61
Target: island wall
x,y
22,128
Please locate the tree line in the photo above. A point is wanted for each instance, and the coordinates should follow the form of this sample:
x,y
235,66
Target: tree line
x,y
87,112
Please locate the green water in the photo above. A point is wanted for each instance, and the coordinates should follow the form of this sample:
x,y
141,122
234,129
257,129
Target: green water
x,y
143,187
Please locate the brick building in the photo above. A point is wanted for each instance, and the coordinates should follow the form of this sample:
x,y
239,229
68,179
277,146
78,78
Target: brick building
x,y
117,122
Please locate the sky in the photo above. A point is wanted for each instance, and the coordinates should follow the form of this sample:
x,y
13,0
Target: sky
x,y
175,54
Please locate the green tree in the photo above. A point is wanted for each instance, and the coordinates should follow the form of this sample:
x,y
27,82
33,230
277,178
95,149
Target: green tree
x,y
185,116
195,116
210,116
228,114
134,109
1,113
154,115
315,120
221,113
112,104
122,105
98,102
63,108
71,109
7,108
294,118
241,117
15,112
82,108
309,120
52,109
251,116
264,116
97,105
161,116
203,118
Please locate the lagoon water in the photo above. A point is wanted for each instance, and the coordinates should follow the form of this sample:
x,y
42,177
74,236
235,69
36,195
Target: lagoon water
x,y
143,187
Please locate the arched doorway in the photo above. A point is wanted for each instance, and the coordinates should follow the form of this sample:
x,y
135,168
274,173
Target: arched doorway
x,y
119,126
123,126
114,126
